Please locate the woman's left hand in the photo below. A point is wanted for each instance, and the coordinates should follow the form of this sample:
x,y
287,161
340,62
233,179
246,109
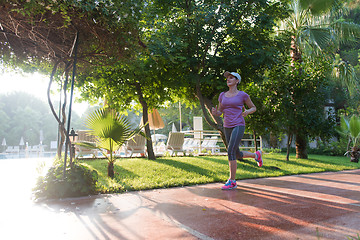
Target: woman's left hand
x,y
251,109
245,113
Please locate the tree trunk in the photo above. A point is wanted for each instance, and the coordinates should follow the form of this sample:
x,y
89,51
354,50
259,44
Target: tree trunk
x,y
61,119
111,169
295,52
288,145
273,140
64,133
149,145
300,143
354,154
214,121
255,142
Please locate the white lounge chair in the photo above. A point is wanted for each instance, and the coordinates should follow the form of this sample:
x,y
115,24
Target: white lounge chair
x,y
211,144
16,149
84,136
9,149
175,142
136,145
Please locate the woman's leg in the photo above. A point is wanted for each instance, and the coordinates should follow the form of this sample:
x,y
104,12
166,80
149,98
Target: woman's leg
x,y
257,156
248,154
234,136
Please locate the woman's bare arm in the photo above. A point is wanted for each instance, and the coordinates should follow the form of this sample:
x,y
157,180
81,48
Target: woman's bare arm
x,y
251,105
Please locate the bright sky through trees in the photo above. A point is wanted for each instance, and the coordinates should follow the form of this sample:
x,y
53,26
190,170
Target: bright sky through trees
x,y
34,84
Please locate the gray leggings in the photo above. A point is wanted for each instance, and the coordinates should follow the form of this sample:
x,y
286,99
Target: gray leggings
x,y
233,137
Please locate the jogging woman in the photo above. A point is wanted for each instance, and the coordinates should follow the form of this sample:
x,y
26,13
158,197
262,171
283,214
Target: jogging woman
x,y
231,104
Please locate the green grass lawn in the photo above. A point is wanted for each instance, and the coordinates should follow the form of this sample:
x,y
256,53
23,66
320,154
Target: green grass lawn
x,y
132,174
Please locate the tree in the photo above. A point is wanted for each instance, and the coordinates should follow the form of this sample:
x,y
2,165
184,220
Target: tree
x,y
37,35
259,124
126,83
350,128
187,46
297,96
23,115
199,40
316,27
349,52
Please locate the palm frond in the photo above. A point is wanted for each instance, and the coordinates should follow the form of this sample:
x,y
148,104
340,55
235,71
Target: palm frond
x,y
317,7
346,74
354,125
318,37
89,145
346,32
111,129
98,120
344,126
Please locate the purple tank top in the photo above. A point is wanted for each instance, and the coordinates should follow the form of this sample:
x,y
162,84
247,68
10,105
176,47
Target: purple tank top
x,y
232,109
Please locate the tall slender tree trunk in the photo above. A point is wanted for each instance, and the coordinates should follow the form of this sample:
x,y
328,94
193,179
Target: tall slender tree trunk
x,y
213,121
295,52
300,141
149,145
255,142
61,118
288,145
273,140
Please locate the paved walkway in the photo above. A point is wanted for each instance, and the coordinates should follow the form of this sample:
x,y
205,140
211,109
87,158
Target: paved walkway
x,y
312,206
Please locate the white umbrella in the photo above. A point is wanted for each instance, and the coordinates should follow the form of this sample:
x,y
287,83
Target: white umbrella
x,y
41,136
3,142
22,143
173,128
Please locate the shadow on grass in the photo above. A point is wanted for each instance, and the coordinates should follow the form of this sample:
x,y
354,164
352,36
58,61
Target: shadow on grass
x,y
102,169
186,166
121,172
256,168
216,159
301,163
247,165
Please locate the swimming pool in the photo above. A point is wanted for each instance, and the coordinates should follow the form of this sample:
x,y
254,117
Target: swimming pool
x,y
28,155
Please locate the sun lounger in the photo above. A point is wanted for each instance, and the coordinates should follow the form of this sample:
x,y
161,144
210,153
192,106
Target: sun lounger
x,y
175,142
190,145
85,136
136,145
211,144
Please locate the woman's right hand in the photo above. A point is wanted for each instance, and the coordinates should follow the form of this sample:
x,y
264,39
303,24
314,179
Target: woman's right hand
x,y
215,111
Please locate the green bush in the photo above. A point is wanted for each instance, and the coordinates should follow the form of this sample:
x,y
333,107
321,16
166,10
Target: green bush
x,y
78,181
335,148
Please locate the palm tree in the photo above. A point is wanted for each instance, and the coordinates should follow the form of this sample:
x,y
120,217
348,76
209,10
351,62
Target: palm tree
x,y
316,27
112,130
350,128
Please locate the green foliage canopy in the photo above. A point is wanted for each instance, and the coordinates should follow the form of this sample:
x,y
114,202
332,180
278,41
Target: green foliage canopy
x,y
38,32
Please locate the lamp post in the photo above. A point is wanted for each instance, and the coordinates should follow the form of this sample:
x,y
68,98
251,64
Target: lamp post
x,y
73,135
